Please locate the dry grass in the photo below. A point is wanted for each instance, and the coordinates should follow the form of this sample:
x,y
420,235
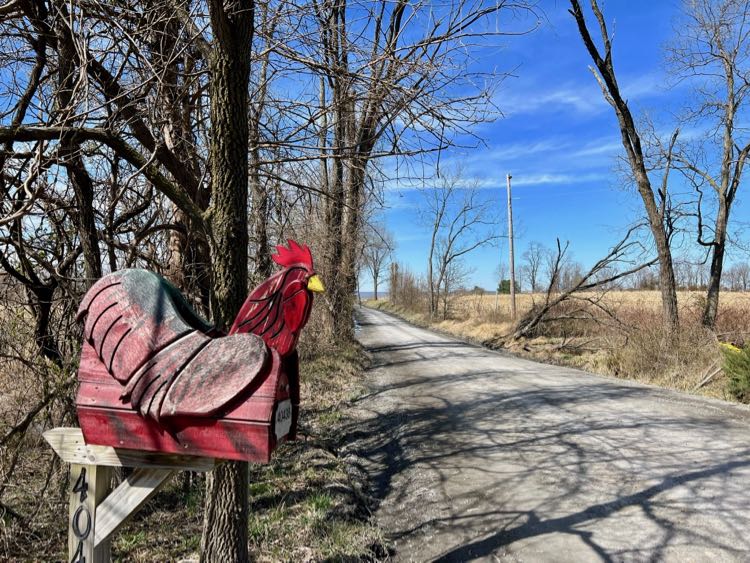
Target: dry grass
x,y
631,345
496,309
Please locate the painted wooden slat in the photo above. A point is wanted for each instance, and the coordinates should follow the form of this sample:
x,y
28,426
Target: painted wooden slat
x,y
256,408
214,438
92,370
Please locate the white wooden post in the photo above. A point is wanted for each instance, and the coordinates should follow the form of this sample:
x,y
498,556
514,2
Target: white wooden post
x,y
89,484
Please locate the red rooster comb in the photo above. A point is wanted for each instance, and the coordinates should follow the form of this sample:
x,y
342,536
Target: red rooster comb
x,y
294,254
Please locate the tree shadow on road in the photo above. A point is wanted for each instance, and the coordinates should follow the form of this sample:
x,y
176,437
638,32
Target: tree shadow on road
x,y
548,458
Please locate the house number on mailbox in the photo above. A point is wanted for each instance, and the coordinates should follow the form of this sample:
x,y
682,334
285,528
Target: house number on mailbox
x,y
81,521
283,422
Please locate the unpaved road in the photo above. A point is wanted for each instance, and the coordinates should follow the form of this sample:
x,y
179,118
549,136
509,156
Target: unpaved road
x,y
476,455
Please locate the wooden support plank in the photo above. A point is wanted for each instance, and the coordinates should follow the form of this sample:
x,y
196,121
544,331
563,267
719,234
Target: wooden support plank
x,y
89,485
70,446
126,500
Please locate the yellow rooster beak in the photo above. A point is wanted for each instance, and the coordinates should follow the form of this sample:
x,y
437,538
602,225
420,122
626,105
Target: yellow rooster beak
x,y
315,284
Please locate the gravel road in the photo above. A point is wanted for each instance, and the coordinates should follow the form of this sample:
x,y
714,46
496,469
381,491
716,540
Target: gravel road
x,y
476,455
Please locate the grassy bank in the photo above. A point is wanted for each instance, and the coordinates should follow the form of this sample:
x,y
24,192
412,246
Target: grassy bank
x,y
307,505
630,344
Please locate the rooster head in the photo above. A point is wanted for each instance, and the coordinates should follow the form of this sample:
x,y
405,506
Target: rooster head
x,y
299,256
279,308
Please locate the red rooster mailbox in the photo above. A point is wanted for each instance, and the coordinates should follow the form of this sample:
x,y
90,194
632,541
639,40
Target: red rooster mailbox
x,y
154,376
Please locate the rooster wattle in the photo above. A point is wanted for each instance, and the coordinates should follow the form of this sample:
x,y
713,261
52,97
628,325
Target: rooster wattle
x,y
155,376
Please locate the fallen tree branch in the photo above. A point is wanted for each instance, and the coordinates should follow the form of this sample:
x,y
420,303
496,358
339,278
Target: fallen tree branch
x,y
709,376
617,254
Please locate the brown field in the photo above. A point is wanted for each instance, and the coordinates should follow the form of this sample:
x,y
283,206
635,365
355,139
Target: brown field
x,y
628,344
494,310
640,299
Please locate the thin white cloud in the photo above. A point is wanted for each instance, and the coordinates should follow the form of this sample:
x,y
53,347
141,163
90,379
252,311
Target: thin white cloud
x,y
565,98
519,180
600,147
646,85
542,179
553,160
584,98
559,154
517,150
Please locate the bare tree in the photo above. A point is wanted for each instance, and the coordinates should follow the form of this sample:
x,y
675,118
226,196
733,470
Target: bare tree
x,y
571,273
460,221
713,45
533,258
501,273
738,276
655,200
394,83
379,246
645,279
455,276
691,271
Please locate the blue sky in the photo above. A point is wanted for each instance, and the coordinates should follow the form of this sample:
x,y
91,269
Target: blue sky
x,y
558,137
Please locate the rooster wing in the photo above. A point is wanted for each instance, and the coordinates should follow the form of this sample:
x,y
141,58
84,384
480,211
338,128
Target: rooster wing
x,y
150,340
276,309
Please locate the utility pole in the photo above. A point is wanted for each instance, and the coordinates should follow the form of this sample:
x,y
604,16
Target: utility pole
x,y
511,259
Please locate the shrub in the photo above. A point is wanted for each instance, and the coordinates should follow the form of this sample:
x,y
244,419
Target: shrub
x,y
737,367
649,353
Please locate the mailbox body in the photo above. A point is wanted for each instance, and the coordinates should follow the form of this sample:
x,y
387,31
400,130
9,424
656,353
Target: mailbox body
x,y
250,429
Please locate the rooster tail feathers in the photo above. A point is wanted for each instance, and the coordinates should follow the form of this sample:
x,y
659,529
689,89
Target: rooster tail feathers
x,y
293,254
95,291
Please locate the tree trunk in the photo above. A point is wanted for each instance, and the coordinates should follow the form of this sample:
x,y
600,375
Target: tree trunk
x,y
262,257
711,307
43,312
437,221
225,523
334,221
259,219
189,254
350,243
323,136
188,266
336,52
667,283
70,151
83,189
177,245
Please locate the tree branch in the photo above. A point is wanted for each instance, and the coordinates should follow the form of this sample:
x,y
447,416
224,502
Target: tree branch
x,y
175,193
